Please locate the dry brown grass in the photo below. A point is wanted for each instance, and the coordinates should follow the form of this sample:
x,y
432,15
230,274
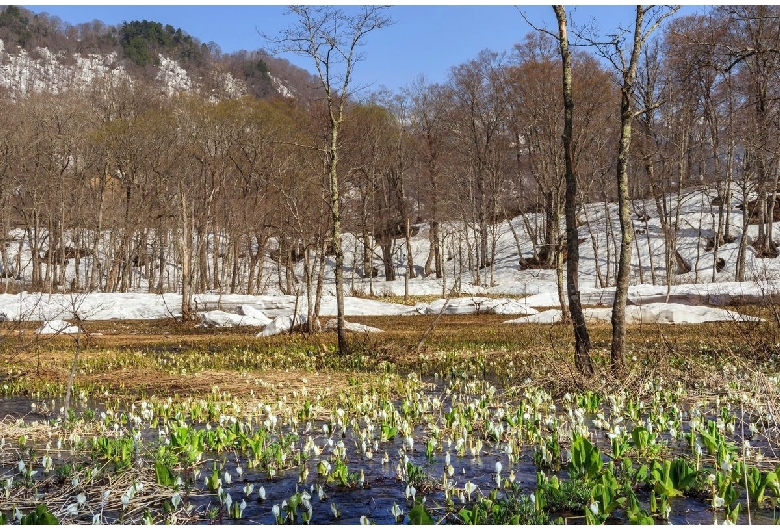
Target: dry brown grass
x,y
513,354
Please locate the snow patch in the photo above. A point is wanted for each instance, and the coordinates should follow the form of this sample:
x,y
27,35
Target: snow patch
x,y
332,325
282,324
249,311
474,305
222,319
55,327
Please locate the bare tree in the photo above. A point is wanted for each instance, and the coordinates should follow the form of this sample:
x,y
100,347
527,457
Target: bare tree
x,y
331,38
647,20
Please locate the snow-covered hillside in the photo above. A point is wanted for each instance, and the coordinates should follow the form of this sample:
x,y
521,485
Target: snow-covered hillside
x,y
539,287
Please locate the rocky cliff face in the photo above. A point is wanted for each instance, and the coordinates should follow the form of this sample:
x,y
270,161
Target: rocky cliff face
x,y
42,70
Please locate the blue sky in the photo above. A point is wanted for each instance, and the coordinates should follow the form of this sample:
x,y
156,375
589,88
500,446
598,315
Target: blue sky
x,y
426,40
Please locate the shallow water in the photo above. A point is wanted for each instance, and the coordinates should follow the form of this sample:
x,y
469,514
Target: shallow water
x,y
382,486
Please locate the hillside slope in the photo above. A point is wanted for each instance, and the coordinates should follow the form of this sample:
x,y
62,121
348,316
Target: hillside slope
x,y
42,54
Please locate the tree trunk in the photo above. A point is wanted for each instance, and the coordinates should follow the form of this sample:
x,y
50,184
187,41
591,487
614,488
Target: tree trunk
x,y
626,232
185,249
336,234
581,338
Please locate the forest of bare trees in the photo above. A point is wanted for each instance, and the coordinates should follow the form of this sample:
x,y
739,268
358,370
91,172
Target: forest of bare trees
x,y
185,193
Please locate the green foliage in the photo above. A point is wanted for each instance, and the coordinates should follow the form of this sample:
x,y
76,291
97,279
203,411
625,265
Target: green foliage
x,y
643,440
41,515
118,451
636,514
548,455
388,432
727,493
417,477
514,508
586,459
419,515
715,442
340,473
213,481
590,401
295,502
672,478
143,40
757,483
555,495
606,497
164,475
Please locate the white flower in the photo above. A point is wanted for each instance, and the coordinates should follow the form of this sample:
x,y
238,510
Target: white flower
x,y
364,520
718,502
410,491
176,500
228,478
248,489
470,488
594,507
261,493
72,509
81,498
275,510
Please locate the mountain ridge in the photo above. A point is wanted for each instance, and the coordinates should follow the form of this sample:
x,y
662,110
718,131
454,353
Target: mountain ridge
x,y
41,53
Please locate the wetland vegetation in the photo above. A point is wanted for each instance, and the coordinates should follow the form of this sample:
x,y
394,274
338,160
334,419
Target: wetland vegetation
x,y
488,423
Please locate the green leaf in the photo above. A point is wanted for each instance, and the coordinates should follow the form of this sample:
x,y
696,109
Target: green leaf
x,y
164,475
41,515
419,515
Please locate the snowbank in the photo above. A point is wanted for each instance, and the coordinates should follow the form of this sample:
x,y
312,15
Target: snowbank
x,y
282,324
222,319
251,312
646,314
474,305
